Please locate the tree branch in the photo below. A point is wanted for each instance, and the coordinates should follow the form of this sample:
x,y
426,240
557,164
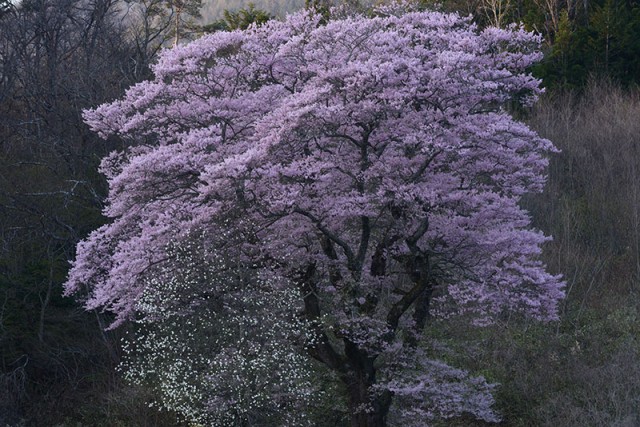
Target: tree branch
x,y
322,350
332,236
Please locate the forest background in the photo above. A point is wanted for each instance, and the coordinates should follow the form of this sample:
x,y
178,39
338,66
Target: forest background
x,y
58,57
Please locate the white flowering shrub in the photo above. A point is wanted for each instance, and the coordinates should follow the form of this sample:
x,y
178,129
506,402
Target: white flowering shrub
x,y
220,343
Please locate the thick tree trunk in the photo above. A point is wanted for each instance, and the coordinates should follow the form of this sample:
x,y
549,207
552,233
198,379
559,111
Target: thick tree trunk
x,y
367,409
367,412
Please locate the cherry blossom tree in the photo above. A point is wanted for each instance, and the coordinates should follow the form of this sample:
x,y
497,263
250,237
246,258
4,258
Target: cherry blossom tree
x,y
369,162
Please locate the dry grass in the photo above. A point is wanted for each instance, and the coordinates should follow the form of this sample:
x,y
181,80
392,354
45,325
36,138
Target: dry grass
x,y
585,369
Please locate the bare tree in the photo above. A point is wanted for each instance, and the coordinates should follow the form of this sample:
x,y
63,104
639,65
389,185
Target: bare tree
x,y
496,11
57,57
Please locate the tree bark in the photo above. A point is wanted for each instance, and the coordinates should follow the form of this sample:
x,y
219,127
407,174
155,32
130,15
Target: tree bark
x,y
368,409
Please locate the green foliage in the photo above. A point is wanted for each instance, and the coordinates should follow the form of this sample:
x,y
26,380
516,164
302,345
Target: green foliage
x,y
239,20
608,45
563,65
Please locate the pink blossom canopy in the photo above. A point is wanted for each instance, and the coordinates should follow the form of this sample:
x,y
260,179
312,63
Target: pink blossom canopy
x,y
386,134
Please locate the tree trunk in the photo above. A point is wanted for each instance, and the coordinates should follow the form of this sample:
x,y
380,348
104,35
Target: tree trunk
x,y
367,409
